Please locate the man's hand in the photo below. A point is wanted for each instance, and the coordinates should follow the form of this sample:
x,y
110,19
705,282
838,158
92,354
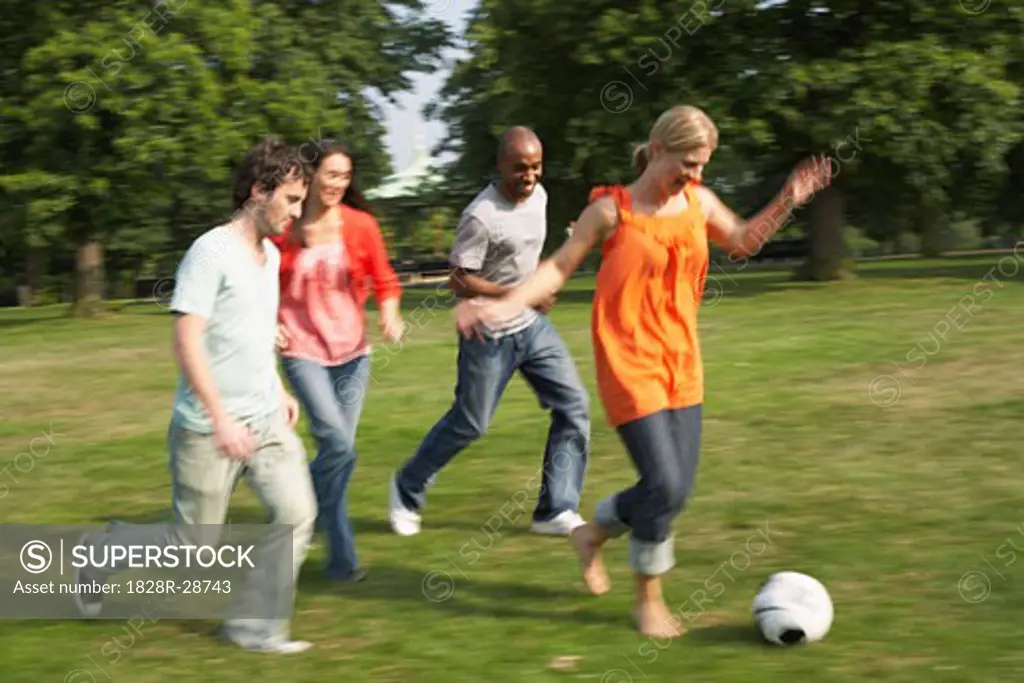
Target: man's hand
x,y
546,305
233,440
291,410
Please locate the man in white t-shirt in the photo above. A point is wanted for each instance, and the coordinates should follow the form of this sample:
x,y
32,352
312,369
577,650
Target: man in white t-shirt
x,y
232,417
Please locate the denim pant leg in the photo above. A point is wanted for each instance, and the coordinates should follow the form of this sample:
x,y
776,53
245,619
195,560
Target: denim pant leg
x,y
665,448
549,368
484,369
332,397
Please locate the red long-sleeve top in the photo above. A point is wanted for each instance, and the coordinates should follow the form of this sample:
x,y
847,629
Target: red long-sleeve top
x,y
324,289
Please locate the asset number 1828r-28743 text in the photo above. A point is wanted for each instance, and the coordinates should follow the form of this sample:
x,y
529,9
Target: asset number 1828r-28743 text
x,y
172,587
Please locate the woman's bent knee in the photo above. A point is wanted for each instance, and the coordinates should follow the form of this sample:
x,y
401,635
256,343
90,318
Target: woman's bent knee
x,y
336,443
668,495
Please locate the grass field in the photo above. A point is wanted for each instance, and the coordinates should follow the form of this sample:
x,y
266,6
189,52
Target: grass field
x,y
849,433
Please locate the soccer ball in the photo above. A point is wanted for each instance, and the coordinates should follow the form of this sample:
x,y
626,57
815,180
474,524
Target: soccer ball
x,y
792,609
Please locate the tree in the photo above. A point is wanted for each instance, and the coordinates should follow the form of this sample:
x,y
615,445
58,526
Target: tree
x,y
118,121
916,104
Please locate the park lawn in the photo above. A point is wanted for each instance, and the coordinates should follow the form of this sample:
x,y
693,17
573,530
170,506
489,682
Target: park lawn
x,y
808,463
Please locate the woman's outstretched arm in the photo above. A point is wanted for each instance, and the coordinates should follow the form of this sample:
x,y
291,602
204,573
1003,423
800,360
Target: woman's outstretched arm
x,y
741,237
595,224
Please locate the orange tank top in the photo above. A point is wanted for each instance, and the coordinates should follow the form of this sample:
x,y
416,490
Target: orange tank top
x,y
644,323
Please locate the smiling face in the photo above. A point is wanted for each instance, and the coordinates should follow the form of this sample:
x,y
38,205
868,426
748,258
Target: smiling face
x,y
679,147
673,171
520,167
332,179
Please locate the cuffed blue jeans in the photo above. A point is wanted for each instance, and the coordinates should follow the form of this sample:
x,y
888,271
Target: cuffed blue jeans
x,y
484,370
665,449
332,397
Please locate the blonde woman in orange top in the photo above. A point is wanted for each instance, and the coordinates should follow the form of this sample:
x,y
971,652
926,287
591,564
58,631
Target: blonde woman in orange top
x,y
654,237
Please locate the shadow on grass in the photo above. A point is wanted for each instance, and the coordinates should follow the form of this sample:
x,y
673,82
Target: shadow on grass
x,y
973,268
443,588
476,526
25,321
360,525
451,597
729,635
456,595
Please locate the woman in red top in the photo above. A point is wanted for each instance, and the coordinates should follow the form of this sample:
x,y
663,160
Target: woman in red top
x,y
654,237
327,256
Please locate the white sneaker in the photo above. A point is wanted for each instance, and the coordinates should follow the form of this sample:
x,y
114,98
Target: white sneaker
x,y
562,525
404,521
281,647
89,604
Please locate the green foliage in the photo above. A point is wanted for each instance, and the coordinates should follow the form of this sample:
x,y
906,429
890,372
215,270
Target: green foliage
x,y
118,121
861,246
918,103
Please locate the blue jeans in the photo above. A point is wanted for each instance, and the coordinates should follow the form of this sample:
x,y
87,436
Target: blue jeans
x,y
665,449
332,397
484,370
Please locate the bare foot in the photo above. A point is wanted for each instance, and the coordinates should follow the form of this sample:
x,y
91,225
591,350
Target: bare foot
x,y
586,541
654,620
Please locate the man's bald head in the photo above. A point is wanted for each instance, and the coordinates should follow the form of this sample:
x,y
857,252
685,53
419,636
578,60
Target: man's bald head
x,y
515,139
520,162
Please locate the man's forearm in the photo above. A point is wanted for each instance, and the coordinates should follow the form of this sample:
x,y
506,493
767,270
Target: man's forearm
x,y
468,285
191,356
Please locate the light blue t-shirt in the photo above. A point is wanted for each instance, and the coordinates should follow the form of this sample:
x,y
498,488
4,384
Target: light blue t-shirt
x,y
220,280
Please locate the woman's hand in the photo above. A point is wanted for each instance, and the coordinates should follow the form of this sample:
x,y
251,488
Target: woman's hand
x,y
546,305
281,339
391,326
389,320
807,179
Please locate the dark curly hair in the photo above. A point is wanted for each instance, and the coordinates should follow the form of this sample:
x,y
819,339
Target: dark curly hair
x,y
268,164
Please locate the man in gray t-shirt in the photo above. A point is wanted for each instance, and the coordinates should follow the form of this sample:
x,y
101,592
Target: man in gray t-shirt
x,y
498,246
501,242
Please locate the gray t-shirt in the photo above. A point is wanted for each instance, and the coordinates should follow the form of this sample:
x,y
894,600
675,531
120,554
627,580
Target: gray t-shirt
x,y
219,280
501,242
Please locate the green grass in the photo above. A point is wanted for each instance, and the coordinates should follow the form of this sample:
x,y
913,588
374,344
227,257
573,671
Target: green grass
x,y
888,506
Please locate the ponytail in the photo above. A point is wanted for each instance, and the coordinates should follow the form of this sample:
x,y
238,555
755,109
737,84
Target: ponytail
x,y
640,153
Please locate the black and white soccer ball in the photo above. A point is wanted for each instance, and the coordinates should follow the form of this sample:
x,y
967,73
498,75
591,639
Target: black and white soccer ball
x,y
792,609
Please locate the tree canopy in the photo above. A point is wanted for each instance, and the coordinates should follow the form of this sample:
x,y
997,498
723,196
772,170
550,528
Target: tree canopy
x,y
118,121
918,103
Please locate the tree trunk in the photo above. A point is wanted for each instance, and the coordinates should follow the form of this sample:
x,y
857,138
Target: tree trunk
x,y
33,270
88,280
932,229
828,259
438,237
26,298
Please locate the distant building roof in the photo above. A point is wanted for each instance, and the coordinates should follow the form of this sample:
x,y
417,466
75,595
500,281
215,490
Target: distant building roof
x,y
408,182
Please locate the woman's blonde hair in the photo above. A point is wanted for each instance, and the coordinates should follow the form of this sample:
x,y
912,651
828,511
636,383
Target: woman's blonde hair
x,y
683,128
